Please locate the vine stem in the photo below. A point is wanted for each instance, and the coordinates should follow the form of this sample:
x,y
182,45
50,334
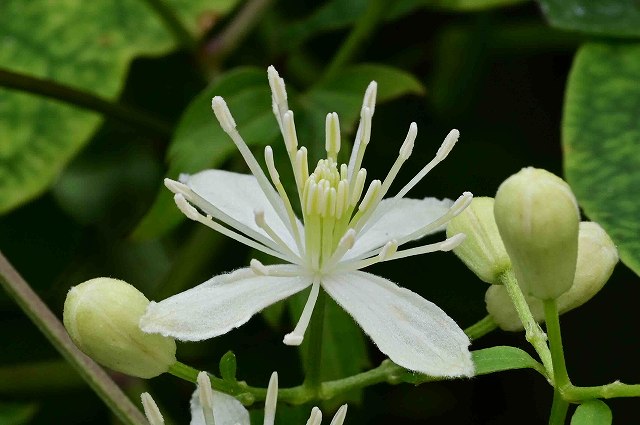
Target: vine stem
x,y
173,24
220,46
50,326
560,376
533,332
54,90
358,35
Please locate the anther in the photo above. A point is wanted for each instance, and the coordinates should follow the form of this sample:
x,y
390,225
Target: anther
x,y
359,186
289,132
151,410
332,132
407,145
186,208
205,394
276,83
370,96
221,110
448,144
370,196
452,242
258,268
388,250
176,187
271,400
271,166
461,203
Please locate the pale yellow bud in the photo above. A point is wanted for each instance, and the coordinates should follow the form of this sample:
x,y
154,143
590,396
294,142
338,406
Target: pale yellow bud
x,y
101,316
597,257
537,216
482,250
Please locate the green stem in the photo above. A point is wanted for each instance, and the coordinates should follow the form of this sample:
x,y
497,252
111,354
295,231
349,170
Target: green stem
x,y
533,333
559,407
313,365
612,390
173,24
54,90
55,332
481,327
358,36
560,376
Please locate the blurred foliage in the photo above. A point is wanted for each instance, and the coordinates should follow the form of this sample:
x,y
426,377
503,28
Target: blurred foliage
x,y
492,68
601,133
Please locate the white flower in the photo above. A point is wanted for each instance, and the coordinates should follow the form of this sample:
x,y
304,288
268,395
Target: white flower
x,y
209,407
341,232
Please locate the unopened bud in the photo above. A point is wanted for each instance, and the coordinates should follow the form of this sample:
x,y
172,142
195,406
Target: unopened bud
x,y
537,216
597,256
482,251
101,316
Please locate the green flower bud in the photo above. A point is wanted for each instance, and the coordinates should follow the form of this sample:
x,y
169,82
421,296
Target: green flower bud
x,y
482,250
537,216
102,315
597,256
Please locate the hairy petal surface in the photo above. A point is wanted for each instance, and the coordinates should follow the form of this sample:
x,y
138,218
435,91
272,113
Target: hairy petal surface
x,y
238,196
226,410
413,332
396,218
222,303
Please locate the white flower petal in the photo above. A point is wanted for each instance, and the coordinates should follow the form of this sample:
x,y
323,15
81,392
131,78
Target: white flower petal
x,y
395,218
238,196
226,410
221,303
413,332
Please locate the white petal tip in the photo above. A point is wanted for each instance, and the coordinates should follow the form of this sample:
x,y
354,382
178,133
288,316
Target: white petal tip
x,y
293,340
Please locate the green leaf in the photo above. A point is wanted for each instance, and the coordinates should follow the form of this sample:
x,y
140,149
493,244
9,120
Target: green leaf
x,y
600,134
16,413
337,14
592,412
84,44
617,18
200,143
470,5
489,360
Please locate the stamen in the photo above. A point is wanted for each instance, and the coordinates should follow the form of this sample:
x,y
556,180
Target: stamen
x,y
302,165
342,199
345,244
289,133
151,410
316,417
176,187
332,131
446,245
278,91
362,140
205,394
370,96
358,187
271,400
296,337
442,153
222,113
371,194
388,250
181,202
258,268
262,223
341,414
407,146
275,178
